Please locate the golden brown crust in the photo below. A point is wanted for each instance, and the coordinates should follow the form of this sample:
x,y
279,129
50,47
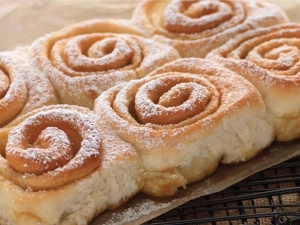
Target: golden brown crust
x,y
269,58
62,162
22,88
196,27
84,59
234,104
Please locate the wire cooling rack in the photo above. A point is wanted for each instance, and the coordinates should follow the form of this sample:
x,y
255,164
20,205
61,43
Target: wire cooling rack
x,y
270,197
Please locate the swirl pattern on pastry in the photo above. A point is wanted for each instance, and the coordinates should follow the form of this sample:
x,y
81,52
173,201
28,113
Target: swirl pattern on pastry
x,y
270,59
58,157
195,27
51,148
177,116
85,59
22,88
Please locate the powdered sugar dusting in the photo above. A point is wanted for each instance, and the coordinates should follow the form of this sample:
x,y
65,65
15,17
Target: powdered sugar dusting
x,y
43,152
80,74
4,83
86,156
142,209
201,16
114,147
272,51
175,98
195,28
28,88
14,89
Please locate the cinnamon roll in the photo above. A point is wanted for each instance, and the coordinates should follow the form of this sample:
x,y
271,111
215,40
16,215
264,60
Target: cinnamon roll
x,y
22,88
60,167
84,59
195,27
269,58
184,119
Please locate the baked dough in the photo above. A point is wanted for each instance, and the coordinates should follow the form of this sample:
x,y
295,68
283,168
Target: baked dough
x,y
84,59
196,27
99,171
184,119
269,58
22,88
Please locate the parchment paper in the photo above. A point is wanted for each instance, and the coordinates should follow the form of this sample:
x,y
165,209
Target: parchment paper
x,y
21,22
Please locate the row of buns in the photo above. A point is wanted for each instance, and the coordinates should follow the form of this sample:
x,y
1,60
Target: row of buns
x,y
103,109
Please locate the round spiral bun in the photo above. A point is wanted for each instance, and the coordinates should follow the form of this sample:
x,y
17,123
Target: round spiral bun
x,y
84,59
270,59
53,147
195,27
57,157
184,119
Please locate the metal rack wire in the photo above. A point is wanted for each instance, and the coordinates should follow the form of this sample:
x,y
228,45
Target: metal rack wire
x,y
271,197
